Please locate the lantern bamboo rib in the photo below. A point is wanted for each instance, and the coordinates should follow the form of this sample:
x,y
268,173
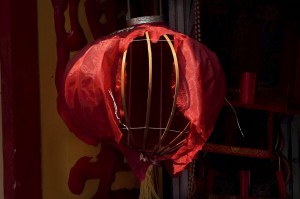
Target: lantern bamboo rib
x,y
175,94
130,90
161,91
174,148
149,90
167,147
127,119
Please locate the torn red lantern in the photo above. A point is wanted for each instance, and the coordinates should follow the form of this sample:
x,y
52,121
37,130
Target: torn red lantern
x,y
94,107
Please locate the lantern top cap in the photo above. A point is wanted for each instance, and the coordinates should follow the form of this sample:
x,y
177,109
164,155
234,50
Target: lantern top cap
x,y
145,19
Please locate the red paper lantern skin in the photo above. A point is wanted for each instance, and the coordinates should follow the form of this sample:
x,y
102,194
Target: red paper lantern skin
x,y
91,93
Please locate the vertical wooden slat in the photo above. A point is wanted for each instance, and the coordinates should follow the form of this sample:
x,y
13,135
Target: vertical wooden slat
x,y
295,165
6,95
20,99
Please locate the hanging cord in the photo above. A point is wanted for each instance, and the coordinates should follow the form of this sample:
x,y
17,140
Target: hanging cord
x,y
191,179
236,117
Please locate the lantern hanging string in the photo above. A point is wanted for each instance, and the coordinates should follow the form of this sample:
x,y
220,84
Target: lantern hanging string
x,y
128,16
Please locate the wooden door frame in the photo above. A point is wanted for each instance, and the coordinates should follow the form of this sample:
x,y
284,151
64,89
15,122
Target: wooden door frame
x,y
20,99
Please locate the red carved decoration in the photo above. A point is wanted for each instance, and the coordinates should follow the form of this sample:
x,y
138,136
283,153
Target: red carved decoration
x,y
66,41
109,161
110,13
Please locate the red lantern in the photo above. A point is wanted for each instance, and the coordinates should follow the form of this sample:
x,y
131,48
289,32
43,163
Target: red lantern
x,y
151,92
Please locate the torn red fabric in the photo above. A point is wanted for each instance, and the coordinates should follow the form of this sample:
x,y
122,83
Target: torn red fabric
x,y
92,77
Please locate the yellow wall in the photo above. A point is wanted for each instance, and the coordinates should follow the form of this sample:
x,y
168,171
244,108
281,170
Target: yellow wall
x,y
60,148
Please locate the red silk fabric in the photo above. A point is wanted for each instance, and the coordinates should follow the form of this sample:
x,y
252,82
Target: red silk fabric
x,y
87,108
